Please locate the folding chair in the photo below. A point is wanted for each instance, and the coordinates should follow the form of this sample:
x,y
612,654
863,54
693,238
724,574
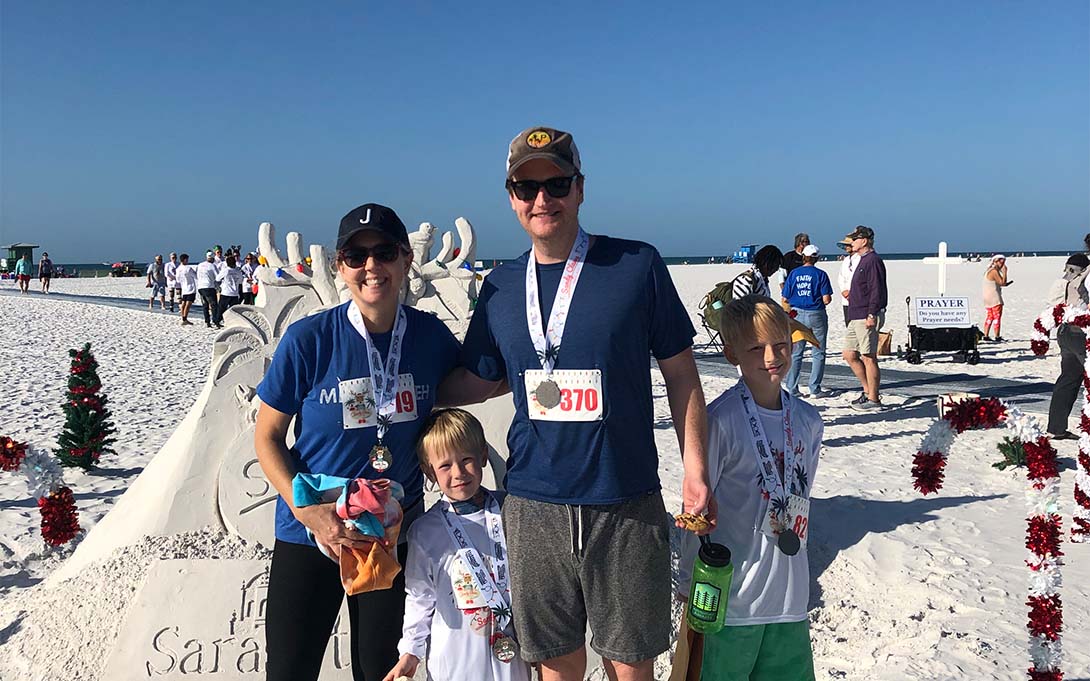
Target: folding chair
x,y
715,342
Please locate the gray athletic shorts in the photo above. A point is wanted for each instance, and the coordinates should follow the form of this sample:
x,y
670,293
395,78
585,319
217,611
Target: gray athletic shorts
x,y
606,565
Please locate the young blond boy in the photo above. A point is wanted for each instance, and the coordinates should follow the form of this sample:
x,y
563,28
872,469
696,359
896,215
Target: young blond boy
x,y
754,429
458,600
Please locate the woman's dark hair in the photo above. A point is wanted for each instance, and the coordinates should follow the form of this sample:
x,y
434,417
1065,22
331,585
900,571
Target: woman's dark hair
x,y
230,259
1086,242
768,260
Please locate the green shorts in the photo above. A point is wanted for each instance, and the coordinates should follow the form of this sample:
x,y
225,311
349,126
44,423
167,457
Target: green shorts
x,y
760,652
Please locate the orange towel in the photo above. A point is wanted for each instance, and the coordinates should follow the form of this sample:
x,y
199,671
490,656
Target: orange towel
x,y
371,569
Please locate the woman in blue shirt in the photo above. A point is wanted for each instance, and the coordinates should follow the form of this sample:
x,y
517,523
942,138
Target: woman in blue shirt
x,y
807,290
358,379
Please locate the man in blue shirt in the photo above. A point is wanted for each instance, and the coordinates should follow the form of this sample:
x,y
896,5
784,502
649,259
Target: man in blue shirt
x,y
808,290
588,536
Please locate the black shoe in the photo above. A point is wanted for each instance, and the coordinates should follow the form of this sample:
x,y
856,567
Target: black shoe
x,y
861,399
999,339
1066,435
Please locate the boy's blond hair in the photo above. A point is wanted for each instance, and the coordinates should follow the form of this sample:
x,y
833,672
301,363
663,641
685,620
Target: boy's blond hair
x,y
745,319
450,429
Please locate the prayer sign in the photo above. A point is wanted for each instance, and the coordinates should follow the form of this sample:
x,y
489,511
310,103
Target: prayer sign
x,y
943,312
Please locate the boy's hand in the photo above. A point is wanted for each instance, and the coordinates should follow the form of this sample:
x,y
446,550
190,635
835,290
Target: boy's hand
x,y
697,498
405,667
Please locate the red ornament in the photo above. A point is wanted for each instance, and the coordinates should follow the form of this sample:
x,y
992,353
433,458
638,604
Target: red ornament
x,y
1045,616
1043,536
299,268
12,453
59,522
927,471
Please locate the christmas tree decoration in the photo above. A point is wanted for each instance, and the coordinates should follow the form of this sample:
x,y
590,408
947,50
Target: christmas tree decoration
x,y
1014,454
88,432
1042,327
44,481
1044,527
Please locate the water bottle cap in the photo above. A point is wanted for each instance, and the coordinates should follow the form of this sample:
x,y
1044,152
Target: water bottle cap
x,y
714,555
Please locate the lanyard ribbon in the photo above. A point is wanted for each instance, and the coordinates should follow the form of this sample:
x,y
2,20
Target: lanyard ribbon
x,y
547,343
493,589
384,381
770,479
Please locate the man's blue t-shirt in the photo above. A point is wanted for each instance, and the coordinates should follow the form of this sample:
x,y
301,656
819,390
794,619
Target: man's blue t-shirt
x,y
804,287
313,357
625,307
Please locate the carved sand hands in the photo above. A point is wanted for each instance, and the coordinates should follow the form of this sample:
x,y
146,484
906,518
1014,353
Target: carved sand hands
x,y
297,269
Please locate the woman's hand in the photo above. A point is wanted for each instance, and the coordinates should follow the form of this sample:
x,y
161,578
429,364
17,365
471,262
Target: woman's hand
x,y
405,667
329,530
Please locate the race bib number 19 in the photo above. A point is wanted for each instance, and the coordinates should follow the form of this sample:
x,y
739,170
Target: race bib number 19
x,y
358,408
581,396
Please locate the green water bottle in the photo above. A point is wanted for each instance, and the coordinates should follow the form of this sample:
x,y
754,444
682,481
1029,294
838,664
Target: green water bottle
x,y
712,573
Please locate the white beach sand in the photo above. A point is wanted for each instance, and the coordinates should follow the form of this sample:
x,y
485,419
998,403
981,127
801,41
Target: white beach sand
x,y
902,586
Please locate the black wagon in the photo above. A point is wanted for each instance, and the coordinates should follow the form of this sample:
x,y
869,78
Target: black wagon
x,y
962,341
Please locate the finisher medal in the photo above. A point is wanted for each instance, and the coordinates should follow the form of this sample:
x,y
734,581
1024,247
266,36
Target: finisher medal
x,y
788,542
547,393
381,459
504,647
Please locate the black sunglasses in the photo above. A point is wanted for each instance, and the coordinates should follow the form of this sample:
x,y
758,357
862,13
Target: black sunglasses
x,y
527,190
357,257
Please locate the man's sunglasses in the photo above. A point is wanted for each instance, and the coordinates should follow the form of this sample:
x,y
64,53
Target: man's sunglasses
x,y
527,190
357,257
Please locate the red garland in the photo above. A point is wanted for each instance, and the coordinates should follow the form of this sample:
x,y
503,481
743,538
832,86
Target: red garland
x,y
1043,536
927,471
12,453
1035,675
1057,314
1045,616
986,412
1041,459
59,522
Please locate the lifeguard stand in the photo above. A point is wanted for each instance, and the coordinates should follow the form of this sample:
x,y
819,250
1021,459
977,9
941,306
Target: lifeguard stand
x,y
16,251
745,253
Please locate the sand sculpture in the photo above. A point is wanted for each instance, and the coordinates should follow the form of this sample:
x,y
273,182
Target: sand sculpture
x,y
204,617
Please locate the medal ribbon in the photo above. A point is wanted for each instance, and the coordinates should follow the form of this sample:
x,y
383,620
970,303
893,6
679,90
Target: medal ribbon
x,y
773,485
384,381
492,589
547,343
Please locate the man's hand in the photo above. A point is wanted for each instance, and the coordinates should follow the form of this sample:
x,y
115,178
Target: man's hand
x,y
844,293
872,321
405,667
329,530
697,498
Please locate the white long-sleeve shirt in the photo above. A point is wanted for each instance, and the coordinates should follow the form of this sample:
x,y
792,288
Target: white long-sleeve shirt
x,y
844,277
454,641
187,277
171,270
231,281
206,275
768,586
1069,290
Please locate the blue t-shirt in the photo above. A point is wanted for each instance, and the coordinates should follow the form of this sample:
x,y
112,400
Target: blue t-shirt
x,y
804,287
313,357
625,307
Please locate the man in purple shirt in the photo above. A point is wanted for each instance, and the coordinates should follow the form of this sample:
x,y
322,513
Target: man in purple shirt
x,y
866,314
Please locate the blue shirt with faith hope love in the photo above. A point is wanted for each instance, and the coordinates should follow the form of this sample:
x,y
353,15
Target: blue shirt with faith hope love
x,y
804,287
315,354
625,308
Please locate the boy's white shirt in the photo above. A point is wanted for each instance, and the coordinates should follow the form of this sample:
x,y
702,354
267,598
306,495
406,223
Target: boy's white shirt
x,y
456,650
768,587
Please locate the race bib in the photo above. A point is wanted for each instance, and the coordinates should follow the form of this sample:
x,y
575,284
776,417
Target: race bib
x,y
358,409
580,395
798,519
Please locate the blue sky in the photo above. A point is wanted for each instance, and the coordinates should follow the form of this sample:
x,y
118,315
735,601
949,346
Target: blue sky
x,y
132,128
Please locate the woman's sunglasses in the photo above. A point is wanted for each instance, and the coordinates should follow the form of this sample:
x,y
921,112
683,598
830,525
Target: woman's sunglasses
x,y
527,190
357,257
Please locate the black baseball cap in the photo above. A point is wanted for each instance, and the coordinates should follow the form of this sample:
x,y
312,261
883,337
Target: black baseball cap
x,y
375,218
862,232
1078,260
542,142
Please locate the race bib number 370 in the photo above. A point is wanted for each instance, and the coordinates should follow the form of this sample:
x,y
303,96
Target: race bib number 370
x,y
581,396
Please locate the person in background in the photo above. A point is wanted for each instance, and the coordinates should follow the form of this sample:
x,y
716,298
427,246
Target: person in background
x,y
157,282
995,280
766,262
45,271
22,273
807,290
173,287
186,275
207,273
248,267
1086,243
844,277
793,259
231,280
1070,290
866,314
